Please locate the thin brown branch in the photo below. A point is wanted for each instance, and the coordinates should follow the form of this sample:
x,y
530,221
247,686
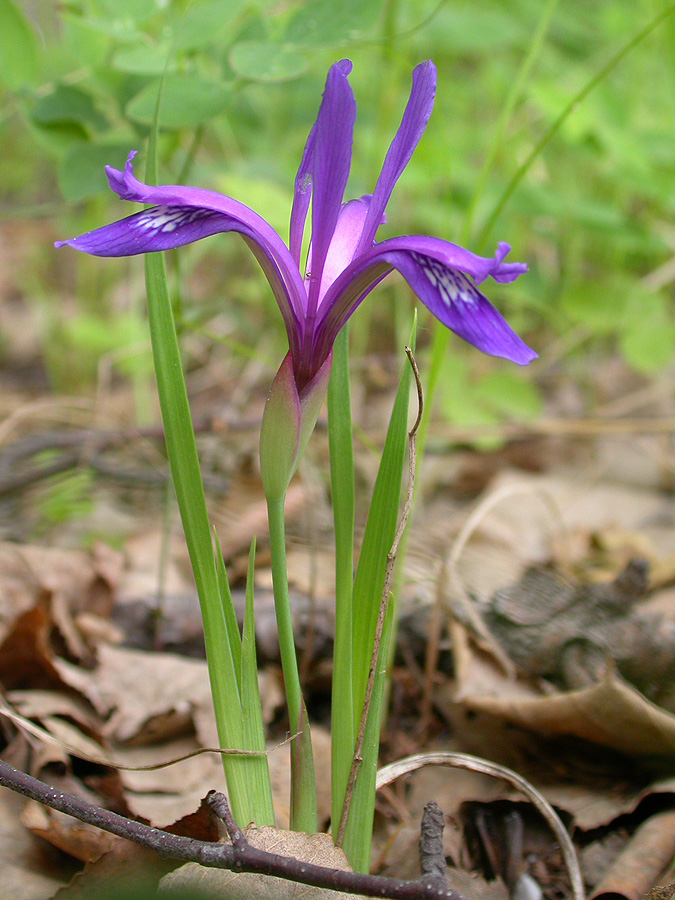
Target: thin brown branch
x,y
238,857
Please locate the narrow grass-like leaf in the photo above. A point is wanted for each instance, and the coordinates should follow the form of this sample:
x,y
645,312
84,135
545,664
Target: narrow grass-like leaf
x,y
184,462
260,786
229,612
378,538
357,839
340,439
367,597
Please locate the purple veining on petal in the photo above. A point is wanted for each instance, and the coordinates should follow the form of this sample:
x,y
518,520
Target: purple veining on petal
x,y
437,271
184,215
130,188
456,301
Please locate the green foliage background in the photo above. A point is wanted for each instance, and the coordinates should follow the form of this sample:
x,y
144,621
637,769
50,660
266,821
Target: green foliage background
x,y
594,216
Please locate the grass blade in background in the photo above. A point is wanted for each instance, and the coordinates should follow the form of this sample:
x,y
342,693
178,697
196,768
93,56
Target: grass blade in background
x,y
340,439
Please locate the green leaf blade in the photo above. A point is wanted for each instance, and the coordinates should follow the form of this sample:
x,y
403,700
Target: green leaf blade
x,y
260,785
340,439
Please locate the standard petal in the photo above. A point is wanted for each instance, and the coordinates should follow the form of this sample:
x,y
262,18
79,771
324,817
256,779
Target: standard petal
x,y
330,170
303,194
343,243
183,215
411,129
437,271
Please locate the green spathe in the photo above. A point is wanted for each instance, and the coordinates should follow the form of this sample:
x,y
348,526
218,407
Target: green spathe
x,y
287,424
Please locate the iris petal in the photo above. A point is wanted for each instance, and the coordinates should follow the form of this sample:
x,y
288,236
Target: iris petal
x,y
183,215
302,197
437,272
411,129
330,170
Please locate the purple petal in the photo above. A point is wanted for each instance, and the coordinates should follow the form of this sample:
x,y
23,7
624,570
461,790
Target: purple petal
x,y
437,271
183,215
330,169
456,301
343,243
303,194
403,146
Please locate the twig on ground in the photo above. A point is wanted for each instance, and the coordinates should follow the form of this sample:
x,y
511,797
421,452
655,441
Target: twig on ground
x,y
239,856
432,856
220,806
85,447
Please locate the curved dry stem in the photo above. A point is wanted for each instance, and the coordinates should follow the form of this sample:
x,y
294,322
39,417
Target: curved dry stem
x,y
475,764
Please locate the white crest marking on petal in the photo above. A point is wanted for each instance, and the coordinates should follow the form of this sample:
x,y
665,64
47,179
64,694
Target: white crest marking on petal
x,y
168,218
451,284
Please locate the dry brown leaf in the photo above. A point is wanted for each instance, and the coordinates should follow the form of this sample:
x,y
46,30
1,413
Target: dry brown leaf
x,y
219,884
147,696
642,861
544,514
610,713
31,869
126,871
78,839
26,657
141,575
168,794
35,704
84,580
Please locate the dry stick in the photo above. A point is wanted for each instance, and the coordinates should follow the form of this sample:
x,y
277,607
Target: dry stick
x,y
85,447
384,603
239,856
432,852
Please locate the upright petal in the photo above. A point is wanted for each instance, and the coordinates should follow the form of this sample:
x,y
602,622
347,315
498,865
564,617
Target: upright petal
x,y
330,170
303,194
438,273
343,243
183,215
411,129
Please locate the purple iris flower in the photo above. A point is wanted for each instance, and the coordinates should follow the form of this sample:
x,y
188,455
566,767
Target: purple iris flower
x,y
344,261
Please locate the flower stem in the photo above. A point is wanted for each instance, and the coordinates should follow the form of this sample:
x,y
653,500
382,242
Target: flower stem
x,y
303,779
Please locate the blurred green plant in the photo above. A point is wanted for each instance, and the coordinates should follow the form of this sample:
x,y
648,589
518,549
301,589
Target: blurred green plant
x,y
66,497
78,83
